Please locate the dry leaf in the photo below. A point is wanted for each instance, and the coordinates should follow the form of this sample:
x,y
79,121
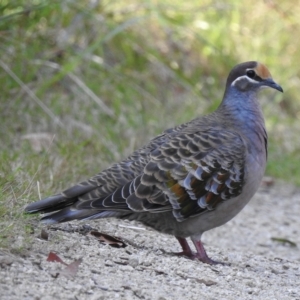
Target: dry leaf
x,y
70,270
108,239
55,258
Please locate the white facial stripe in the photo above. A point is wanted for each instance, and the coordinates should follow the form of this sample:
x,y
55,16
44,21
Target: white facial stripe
x,y
243,78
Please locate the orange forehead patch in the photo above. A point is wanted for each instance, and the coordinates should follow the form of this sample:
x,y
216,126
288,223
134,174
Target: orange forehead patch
x,y
262,71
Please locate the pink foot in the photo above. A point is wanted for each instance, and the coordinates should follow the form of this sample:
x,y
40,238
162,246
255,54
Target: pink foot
x,y
199,255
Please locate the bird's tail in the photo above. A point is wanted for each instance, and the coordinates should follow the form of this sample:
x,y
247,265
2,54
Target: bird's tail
x,y
62,207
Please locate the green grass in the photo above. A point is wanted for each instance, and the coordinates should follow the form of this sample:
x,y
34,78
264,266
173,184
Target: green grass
x,y
104,78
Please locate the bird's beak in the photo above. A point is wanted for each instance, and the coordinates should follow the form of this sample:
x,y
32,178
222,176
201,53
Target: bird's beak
x,y
272,84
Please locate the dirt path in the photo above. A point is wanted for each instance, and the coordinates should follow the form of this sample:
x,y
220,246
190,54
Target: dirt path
x,y
260,267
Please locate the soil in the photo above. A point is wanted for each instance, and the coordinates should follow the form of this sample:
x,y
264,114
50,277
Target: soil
x,y
259,248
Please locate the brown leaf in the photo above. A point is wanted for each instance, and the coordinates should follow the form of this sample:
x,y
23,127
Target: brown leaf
x,y
108,239
55,258
70,270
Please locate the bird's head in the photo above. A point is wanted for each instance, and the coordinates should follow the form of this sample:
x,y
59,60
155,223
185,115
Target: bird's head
x,y
251,76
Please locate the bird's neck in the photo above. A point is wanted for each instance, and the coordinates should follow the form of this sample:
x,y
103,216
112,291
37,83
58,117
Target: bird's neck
x,y
242,108
243,112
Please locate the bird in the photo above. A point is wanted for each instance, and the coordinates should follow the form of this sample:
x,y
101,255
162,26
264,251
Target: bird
x,y
189,179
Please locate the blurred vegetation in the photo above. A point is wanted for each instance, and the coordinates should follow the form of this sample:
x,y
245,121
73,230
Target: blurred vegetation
x,y
86,82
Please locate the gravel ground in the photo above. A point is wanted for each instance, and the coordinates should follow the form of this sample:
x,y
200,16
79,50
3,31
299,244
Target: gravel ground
x,y
259,266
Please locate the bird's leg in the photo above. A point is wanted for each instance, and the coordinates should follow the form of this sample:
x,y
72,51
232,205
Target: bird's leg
x,y
201,253
186,250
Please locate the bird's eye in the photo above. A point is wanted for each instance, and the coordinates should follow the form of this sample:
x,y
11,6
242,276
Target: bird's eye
x,y
250,73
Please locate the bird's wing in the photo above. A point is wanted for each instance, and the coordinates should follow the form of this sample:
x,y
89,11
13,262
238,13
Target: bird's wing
x,y
191,173
185,172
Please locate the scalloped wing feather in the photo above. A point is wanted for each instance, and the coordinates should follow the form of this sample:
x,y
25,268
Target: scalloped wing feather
x,y
211,165
181,171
